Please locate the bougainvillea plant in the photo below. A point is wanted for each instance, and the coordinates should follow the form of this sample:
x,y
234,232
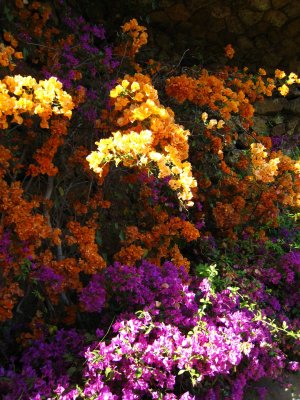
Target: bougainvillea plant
x,y
149,236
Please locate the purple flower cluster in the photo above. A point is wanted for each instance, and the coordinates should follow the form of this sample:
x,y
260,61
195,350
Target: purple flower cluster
x,y
75,23
89,54
173,338
47,367
94,294
47,275
160,192
163,291
4,247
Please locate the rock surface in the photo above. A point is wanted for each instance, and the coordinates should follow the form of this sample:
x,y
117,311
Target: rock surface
x,y
264,33
276,392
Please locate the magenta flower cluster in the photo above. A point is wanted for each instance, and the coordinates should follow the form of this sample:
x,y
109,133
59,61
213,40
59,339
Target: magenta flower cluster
x,y
164,335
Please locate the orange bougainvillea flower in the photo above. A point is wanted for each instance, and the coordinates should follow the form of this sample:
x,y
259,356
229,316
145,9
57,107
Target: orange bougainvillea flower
x,y
279,74
137,38
264,171
262,71
229,51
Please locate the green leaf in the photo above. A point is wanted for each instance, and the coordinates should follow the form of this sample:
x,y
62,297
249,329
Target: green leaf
x,y
284,325
25,53
182,371
139,372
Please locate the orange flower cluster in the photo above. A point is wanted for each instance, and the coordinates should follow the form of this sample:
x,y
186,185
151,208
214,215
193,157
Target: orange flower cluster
x,y
263,170
44,156
9,296
5,156
228,215
229,51
33,16
18,216
227,92
129,255
84,237
269,180
158,242
255,87
7,52
208,90
137,35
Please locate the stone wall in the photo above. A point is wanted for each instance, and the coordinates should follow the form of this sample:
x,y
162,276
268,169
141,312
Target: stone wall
x,y
265,33
279,118
276,391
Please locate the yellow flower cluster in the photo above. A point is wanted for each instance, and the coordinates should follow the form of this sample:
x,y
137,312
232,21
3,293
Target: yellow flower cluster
x,y
164,144
283,90
23,94
291,79
130,149
263,170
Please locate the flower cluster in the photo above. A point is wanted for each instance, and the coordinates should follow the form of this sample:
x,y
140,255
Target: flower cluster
x,y
263,171
6,54
290,80
23,94
169,343
137,103
137,36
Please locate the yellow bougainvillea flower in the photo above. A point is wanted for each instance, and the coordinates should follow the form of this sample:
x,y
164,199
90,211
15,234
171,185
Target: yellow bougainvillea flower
x,y
116,91
135,86
204,116
125,83
220,124
293,78
212,123
283,90
162,148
